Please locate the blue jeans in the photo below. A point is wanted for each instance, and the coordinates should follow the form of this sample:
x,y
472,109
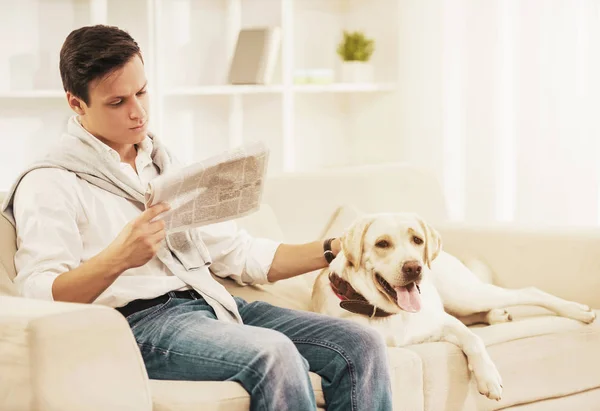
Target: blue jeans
x,y
270,355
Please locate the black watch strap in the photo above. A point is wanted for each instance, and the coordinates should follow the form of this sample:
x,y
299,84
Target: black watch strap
x,y
327,250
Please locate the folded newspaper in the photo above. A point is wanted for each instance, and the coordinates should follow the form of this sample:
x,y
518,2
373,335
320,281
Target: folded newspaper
x,y
220,188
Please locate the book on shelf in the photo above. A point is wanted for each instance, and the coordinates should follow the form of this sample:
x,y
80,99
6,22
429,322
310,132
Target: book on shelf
x,y
255,55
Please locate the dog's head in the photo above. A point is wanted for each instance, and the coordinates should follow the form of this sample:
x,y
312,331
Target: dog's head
x,y
385,256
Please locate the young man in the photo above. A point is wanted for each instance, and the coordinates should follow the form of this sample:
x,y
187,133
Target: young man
x,y
83,236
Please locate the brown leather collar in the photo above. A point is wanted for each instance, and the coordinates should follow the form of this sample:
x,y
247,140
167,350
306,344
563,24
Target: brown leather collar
x,y
352,300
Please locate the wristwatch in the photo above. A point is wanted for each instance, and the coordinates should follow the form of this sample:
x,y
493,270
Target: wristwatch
x,y
329,256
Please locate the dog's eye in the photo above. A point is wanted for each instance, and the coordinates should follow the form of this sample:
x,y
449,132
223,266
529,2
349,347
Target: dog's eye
x,y
417,240
382,244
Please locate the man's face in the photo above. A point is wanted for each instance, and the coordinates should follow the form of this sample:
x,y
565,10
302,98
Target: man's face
x,y
118,110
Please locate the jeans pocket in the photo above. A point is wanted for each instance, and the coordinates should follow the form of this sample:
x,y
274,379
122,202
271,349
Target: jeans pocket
x,y
142,317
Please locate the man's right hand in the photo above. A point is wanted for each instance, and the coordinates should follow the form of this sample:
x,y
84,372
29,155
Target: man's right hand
x,y
139,240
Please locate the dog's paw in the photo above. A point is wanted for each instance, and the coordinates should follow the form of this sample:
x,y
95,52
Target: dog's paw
x,y
497,316
588,316
579,312
489,381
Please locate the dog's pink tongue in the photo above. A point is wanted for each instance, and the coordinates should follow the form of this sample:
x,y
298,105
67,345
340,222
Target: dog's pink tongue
x,y
408,298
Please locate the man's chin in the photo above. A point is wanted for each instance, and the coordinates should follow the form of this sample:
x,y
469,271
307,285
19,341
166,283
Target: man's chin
x,y
139,134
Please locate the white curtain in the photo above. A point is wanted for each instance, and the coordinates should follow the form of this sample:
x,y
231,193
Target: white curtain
x,y
520,111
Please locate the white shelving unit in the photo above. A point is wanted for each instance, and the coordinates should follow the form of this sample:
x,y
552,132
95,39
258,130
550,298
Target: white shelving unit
x,y
33,94
187,46
224,90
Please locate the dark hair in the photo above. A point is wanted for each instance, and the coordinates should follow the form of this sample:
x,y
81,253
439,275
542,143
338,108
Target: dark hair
x,y
92,52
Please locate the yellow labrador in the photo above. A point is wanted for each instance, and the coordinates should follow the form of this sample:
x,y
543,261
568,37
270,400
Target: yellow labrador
x,y
393,275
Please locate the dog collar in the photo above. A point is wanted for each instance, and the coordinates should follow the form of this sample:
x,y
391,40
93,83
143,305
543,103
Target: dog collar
x,y
353,301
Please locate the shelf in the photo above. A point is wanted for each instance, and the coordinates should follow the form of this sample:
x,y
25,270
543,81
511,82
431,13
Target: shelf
x,y
223,90
188,46
343,88
33,94
299,88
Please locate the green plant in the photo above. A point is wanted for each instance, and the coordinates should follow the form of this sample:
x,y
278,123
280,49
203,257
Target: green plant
x,y
355,47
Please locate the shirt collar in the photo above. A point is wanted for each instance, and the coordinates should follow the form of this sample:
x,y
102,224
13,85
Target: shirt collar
x,y
76,128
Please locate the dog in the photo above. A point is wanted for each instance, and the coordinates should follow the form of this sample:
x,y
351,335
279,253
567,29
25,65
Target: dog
x,y
392,274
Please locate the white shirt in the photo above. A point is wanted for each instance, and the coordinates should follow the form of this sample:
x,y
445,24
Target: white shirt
x,y
62,221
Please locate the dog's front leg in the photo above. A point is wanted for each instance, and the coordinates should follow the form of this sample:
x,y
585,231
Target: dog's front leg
x,y
489,382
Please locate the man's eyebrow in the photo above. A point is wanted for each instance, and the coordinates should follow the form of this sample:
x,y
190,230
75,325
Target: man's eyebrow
x,y
123,97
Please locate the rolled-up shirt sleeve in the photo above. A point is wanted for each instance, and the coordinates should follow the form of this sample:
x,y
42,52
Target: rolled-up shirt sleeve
x,y
48,239
236,254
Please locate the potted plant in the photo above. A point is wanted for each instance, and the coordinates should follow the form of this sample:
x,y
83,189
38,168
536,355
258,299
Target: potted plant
x,y
356,50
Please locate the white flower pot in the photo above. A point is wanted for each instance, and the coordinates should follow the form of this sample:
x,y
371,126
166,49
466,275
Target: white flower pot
x,y
357,72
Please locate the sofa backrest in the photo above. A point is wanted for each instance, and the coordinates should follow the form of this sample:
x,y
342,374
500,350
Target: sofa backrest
x,y
304,202
299,206
292,293
260,224
8,246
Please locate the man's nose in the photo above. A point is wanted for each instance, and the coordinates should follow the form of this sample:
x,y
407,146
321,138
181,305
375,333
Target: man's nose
x,y
137,111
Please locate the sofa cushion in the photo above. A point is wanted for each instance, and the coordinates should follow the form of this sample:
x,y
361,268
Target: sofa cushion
x,y
210,395
340,220
371,188
581,401
262,223
538,357
7,251
290,293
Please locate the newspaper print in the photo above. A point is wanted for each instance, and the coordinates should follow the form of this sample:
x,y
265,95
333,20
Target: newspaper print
x,y
223,187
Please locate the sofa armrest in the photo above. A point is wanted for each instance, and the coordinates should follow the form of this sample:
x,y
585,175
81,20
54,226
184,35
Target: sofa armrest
x,y
67,356
406,368
565,263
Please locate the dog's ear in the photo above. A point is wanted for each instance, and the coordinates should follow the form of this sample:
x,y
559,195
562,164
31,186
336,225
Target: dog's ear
x,y
433,242
353,240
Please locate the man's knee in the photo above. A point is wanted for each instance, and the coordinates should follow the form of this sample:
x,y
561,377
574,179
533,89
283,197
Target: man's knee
x,y
363,344
274,350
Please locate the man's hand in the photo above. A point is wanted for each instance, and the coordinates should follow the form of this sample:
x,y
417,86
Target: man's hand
x,y
139,241
135,245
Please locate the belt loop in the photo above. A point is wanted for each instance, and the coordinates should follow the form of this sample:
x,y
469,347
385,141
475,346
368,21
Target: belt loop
x,y
172,294
193,294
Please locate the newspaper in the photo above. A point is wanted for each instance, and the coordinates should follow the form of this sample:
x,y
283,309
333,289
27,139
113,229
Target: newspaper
x,y
220,188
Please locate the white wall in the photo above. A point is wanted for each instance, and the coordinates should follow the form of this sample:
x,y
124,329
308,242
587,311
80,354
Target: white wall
x,y
500,99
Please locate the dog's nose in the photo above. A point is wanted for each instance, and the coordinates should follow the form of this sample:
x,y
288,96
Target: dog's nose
x,y
411,270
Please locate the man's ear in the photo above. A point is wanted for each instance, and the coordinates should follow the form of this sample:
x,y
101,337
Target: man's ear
x,y
433,242
352,240
76,104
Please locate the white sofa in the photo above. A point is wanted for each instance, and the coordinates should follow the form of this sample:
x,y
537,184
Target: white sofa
x,y
63,356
